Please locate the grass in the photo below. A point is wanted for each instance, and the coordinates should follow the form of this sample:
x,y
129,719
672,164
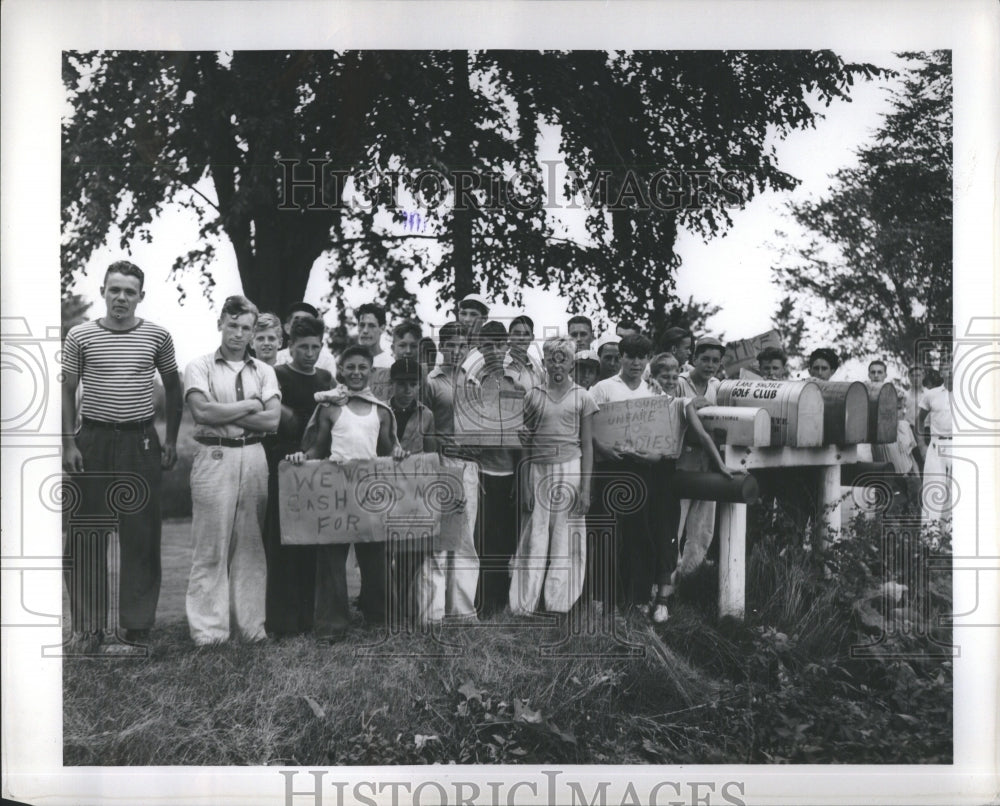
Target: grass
x,y
781,687
786,685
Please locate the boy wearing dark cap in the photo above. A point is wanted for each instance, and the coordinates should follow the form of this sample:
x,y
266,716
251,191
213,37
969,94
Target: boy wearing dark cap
x,y
414,421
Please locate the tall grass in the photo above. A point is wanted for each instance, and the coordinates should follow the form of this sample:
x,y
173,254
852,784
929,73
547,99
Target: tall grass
x,y
781,687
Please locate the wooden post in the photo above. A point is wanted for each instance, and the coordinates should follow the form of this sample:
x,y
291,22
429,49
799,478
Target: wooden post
x,y
733,559
828,515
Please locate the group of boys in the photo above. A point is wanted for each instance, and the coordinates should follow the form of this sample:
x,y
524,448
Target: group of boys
x,y
523,548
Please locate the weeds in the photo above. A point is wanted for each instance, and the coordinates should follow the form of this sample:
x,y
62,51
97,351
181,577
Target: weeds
x,y
843,658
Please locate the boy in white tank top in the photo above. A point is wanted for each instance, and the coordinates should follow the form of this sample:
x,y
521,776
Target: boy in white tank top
x,y
361,428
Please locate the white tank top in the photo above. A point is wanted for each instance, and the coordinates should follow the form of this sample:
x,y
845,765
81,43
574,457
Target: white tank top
x,y
354,436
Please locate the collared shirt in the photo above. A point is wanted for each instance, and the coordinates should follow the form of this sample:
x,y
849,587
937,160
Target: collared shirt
x,y
325,361
496,461
116,368
439,397
614,390
687,388
529,374
415,428
211,375
937,402
403,417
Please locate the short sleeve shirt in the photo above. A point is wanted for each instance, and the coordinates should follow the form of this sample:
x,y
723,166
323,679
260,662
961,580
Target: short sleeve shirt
x,y
687,388
614,390
937,401
116,368
555,423
220,383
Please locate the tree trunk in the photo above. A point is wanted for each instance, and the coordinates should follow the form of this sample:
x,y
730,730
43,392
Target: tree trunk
x,y
461,159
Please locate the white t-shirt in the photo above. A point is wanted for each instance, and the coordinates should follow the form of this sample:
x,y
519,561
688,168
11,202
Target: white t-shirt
x,y
614,389
937,401
383,360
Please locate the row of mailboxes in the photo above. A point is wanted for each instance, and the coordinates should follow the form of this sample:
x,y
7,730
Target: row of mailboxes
x,y
753,413
802,414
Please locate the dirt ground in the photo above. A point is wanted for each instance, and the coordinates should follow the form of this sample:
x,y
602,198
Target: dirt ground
x,y
175,556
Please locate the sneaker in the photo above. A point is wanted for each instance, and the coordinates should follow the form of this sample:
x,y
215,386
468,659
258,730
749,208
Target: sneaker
x,y
660,613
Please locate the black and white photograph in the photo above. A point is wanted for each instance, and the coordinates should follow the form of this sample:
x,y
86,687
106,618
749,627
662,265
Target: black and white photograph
x,y
446,407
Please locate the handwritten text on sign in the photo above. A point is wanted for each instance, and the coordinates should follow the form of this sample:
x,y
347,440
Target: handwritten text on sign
x,y
743,353
653,425
324,502
485,415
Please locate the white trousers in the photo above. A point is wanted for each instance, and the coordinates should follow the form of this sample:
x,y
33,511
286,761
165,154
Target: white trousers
x,y
935,494
551,554
228,570
697,519
447,580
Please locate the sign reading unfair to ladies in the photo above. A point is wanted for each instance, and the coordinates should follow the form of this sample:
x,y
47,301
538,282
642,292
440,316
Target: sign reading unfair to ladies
x,y
420,497
649,425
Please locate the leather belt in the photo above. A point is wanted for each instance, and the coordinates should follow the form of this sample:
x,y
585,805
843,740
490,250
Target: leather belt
x,y
129,425
230,442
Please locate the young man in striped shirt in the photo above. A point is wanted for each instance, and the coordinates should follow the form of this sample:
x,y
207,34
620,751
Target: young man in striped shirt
x,y
115,357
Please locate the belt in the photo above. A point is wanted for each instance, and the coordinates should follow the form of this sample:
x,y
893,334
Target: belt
x,y
940,437
129,425
230,442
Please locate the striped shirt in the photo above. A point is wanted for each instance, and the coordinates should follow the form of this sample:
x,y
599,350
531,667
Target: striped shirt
x,y
116,368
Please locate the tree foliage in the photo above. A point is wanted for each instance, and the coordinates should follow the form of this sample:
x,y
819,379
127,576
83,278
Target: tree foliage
x,y
879,258
152,129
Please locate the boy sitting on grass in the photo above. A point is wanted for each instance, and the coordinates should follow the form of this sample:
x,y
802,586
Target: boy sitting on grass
x,y
354,424
551,558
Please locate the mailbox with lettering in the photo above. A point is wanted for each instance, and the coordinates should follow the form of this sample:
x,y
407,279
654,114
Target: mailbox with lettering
x,y
795,407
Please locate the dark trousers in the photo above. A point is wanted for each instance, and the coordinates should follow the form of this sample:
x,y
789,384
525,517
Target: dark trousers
x,y
496,540
291,575
112,497
664,518
332,610
625,493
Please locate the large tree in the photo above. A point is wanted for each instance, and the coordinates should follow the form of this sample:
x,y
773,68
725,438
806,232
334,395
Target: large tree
x,y
879,256
149,129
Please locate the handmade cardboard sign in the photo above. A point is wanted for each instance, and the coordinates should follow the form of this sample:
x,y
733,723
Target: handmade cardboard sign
x,y
420,497
486,415
743,353
653,425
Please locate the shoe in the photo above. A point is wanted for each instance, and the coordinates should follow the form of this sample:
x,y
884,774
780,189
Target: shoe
x,y
660,612
137,636
336,637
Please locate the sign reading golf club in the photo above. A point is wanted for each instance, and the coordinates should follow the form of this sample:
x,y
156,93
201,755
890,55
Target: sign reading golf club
x,y
326,502
650,425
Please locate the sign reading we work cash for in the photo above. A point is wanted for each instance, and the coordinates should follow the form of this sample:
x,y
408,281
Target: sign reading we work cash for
x,y
652,425
420,497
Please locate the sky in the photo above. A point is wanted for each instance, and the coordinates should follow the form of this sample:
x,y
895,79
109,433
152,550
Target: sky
x,y
733,271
